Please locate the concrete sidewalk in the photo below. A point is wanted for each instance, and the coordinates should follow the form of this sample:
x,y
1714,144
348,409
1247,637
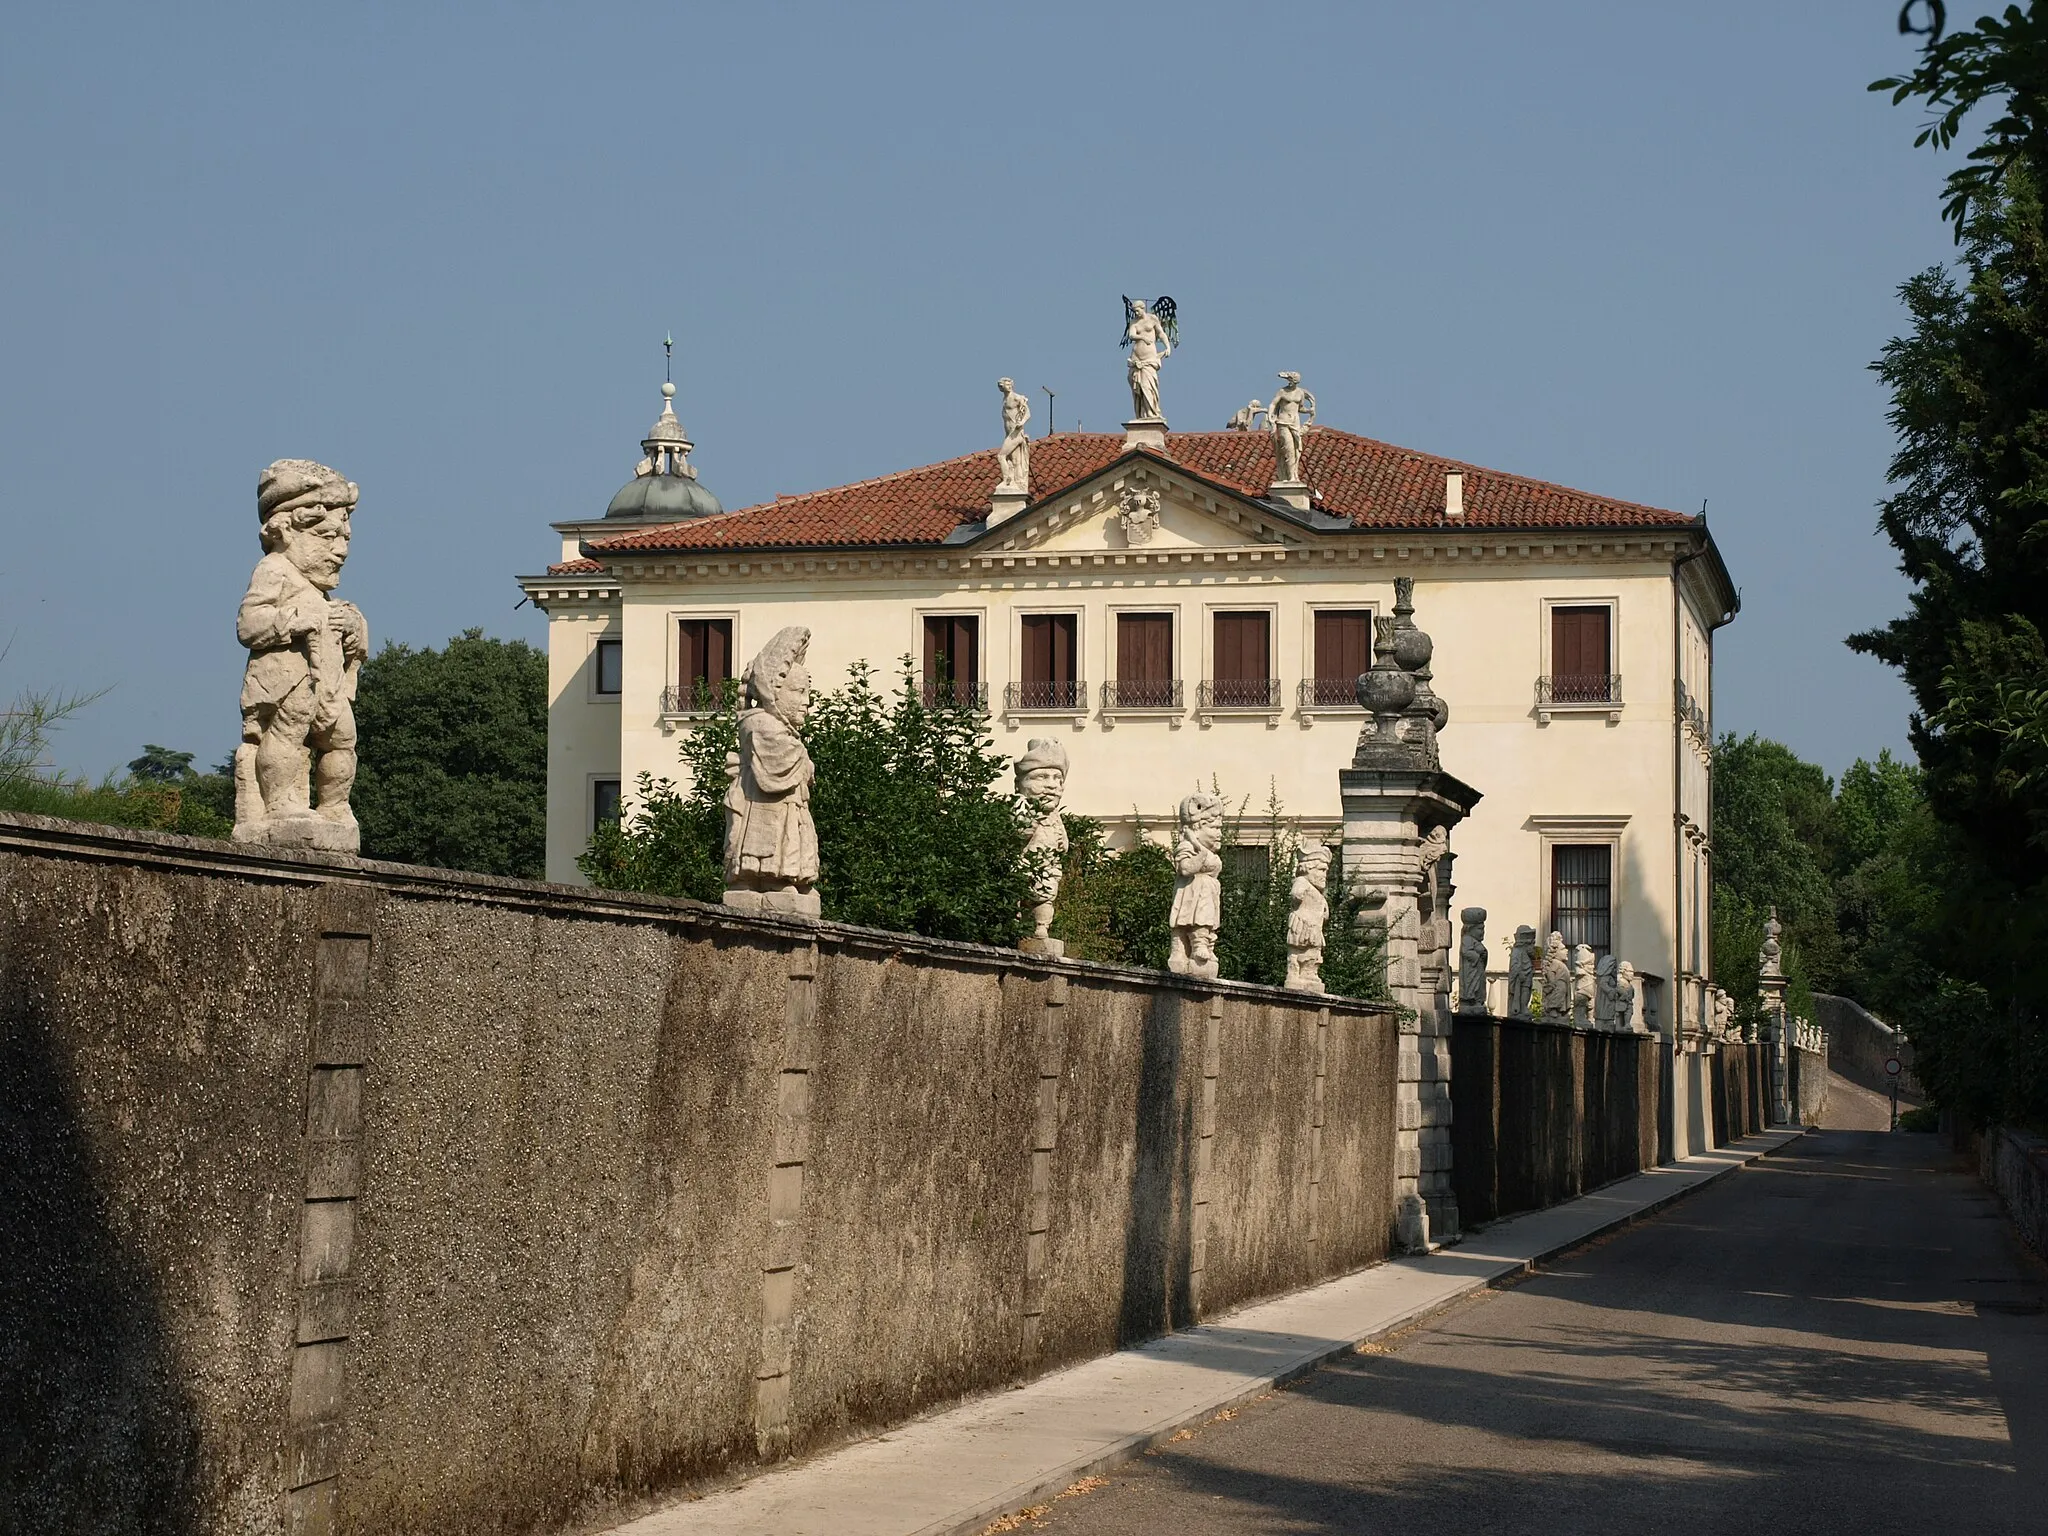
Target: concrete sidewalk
x,y
961,1468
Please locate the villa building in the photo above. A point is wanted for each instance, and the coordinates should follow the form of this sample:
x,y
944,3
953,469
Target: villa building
x,y
1179,615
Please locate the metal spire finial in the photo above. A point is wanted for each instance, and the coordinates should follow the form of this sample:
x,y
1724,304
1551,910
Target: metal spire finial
x,y
668,358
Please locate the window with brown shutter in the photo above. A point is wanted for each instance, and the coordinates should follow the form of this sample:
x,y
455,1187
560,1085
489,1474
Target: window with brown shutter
x,y
1343,651
1144,661
1582,894
1581,655
952,661
1049,673
703,662
1242,661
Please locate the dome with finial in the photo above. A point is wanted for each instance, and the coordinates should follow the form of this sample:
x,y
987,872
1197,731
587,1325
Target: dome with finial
x,y
664,486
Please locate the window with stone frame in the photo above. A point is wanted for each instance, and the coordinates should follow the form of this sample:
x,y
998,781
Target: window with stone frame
x,y
952,660
1582,894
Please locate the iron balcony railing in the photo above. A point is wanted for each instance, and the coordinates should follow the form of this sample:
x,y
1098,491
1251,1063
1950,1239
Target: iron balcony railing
x,y
1021,697
1137,693
705,696
951,693
1238,693
1329,693
1579,688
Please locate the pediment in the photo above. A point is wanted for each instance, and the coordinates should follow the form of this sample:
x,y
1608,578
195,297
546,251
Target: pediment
x,y
1085,518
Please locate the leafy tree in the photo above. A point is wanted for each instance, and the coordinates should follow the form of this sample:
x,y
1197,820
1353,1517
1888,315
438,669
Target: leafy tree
x,y
1113,906
160,765
453,758
1969,516
916,833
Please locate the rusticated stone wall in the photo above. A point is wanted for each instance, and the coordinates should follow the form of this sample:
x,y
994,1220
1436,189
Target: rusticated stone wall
x,y
361,1197
1544,1112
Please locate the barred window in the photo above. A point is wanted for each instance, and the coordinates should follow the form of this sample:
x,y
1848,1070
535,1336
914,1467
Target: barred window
x,y
1581,894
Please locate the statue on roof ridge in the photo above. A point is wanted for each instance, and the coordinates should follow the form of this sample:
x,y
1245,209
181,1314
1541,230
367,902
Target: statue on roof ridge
x,y
1150,332
1293,411
1013,459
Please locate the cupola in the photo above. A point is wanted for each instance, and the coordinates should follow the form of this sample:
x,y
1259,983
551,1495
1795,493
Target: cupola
x,y
664,486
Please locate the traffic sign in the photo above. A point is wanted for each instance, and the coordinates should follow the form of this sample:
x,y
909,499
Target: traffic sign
x,y
1891,1065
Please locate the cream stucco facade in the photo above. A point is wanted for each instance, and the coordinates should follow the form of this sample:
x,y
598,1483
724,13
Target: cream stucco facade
x,y
1629,772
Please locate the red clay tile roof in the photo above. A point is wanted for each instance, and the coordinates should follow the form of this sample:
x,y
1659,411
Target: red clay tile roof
x,y
1374,484
577,568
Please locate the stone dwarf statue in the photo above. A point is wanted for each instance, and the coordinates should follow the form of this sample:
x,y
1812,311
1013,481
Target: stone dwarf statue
x,y
1606,993
1472,960
771,843
1041,782
1625,996
1585,986
1521,972
1308,913
306,650
1013,459
1557,980
1197,888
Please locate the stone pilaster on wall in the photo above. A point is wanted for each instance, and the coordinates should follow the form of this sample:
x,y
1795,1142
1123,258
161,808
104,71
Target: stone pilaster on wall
x,y
1386,814
1205,1147
1315,1130
781,1275
1052,1056
337,1057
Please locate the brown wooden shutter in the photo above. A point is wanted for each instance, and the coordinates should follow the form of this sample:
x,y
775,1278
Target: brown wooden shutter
x,y
1343,646
1579,642
952,649
1144,659
1049,648
703,655
1242,650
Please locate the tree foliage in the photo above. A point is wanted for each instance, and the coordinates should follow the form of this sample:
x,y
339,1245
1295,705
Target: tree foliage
x,y
452,762
916,832
1968,514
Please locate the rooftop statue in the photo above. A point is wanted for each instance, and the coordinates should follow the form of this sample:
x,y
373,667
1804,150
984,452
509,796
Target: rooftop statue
x,y
1041,782
1292,411
1245,417
771,843
1150,332
306,650
1013,459
1308,913
1197,888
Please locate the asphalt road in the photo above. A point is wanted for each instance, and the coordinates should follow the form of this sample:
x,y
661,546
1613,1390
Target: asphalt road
x,y
1845,1337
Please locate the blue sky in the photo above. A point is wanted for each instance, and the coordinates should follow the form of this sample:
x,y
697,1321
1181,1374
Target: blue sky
x,y
1647,251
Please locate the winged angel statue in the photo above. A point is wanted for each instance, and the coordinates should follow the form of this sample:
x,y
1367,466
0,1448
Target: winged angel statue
x,y
1151,332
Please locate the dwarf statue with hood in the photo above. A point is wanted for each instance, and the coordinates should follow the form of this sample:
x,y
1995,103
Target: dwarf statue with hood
x,y
1041,781
771,843
305,652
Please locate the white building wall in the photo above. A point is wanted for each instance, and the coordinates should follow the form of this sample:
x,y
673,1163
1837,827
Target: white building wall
x,y
1583,776
583,730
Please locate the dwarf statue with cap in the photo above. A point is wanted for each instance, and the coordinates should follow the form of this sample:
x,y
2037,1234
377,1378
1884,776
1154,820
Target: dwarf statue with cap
x,y
1041,782
306,649
1308,912
1197,888
771,842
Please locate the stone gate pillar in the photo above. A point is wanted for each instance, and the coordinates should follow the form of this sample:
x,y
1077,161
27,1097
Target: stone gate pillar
x,y
1399,808
1771,994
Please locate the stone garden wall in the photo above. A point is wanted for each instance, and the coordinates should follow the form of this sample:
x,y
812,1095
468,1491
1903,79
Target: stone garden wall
x,y
1741,1090
1859,1043
395,1201
1544,1112
2015,1164
1809,1085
